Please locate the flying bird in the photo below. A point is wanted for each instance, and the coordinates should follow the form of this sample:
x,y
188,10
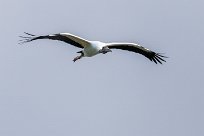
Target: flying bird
x,y
92,48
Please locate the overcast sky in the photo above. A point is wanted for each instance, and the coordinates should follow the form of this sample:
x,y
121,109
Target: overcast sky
x,y
43,93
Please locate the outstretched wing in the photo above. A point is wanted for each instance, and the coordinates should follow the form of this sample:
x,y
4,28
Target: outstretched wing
x,y
156,57
65,37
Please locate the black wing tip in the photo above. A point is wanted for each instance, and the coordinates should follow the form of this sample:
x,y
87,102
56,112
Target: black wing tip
x,y
161,55
29,34
158,58
28,38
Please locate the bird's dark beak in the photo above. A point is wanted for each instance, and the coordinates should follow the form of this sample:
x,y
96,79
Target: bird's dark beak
x,y
105,50
109,50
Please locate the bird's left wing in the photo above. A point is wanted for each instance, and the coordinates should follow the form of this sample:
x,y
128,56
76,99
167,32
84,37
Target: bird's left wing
x,y
156,57
65,37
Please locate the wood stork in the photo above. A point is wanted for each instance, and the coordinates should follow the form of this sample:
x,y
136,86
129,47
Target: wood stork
x,y
91,48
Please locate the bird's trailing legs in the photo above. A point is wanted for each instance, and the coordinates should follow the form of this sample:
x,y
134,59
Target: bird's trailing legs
x,y
79,57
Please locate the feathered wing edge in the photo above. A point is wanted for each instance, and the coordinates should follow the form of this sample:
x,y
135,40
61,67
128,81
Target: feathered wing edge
x,y
155,57
61,37
158,58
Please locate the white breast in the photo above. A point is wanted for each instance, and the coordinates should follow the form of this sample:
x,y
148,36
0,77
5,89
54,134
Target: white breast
x,y
93,48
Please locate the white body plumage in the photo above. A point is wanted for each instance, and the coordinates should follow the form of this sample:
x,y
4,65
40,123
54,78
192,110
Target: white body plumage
x,y
93,48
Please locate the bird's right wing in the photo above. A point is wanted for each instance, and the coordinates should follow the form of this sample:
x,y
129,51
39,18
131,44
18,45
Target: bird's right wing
x,y
151,55
65,37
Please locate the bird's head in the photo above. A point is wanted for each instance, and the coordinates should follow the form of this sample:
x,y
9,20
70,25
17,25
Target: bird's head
x,y
105,50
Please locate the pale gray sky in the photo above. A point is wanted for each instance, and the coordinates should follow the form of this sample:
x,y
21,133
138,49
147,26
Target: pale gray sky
x,y
43,93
